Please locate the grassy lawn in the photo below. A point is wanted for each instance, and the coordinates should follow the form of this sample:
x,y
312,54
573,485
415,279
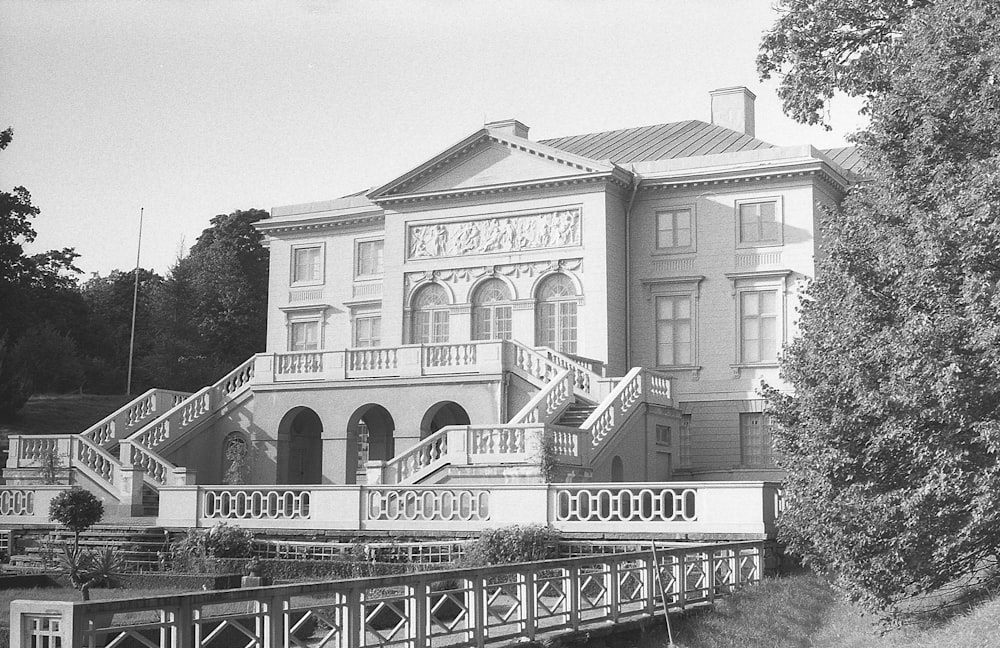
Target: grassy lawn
x,y
802,611
67,414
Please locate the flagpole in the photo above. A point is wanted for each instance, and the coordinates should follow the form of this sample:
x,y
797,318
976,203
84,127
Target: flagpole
x,y
135,301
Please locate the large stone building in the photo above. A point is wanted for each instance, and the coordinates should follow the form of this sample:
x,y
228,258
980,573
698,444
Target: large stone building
x,y
598,307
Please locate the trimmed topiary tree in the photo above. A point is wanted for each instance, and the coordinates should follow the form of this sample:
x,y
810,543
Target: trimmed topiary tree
x,y
77,510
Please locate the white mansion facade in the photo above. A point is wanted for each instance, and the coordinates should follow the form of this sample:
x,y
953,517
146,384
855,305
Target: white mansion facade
x,y
598,307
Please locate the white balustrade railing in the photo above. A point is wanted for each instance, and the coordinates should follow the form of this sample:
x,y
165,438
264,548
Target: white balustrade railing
x,y
17,501
506,440
195,410
94,458
448,358
625,504
418,459
157,469
124,420
530,364
427,504
585,378
255,504
498,604
372,362
614,409
681,509
549,402
64,451
298,363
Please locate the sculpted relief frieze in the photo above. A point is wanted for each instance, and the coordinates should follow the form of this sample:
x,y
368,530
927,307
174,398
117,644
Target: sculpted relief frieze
x,y
559,228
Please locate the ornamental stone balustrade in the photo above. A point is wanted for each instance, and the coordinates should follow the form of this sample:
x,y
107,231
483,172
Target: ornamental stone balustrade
x,y
686,510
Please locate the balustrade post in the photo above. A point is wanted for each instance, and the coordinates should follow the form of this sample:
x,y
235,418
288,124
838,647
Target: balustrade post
x,y
419,621
709,562
354,620
409,360
572,582
613,588
130,490
477,601
530,599
14,451
274,622
375,473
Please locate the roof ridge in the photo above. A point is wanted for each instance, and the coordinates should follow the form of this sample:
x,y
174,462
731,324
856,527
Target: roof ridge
x,y
620,130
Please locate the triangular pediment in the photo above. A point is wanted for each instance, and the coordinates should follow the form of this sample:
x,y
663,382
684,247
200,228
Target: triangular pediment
x,y
485,159
492,164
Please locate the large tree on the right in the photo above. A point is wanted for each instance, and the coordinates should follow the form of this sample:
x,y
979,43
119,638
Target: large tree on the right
x,y
891,438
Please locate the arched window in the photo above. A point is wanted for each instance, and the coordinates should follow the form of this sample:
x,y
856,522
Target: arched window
x,y
555,316
235,459
430,315
491,311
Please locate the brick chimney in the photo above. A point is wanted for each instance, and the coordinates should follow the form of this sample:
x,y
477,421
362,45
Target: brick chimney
x,y
733,108
509,127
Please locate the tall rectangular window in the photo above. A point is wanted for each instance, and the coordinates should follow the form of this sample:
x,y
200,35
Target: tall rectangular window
x,y
685,441
755,441
759,326
758,223
430,327
303,336
674,230
369,258
367,331
673,330
307,265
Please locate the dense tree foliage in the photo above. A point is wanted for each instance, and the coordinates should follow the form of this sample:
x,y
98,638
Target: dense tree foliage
x,y
892,437
193,326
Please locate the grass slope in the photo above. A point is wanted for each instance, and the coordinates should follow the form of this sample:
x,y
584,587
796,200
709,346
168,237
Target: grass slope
x,y
803,611
62,414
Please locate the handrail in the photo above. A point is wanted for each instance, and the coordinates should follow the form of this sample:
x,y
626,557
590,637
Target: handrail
x,y
167,428
106,432
584,378
549,402
614,410
532,365
416,459
156,468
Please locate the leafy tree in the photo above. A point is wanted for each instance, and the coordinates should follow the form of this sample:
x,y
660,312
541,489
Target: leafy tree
x,y
34,288
824,46
892,437
211,310
76,509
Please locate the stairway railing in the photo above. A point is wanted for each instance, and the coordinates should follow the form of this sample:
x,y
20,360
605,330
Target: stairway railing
x,y
637,386
550,401
127,418
195,410
585,379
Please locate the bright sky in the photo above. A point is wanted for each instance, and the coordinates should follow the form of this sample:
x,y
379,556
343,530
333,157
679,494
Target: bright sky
x,y
191,109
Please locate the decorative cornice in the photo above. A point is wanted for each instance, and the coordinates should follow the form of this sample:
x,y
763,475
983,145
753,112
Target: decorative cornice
x,y
319,223
611,177
813,168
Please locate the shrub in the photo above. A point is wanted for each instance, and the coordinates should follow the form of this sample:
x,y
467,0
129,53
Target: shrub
x,y
77,510
197,551
512,544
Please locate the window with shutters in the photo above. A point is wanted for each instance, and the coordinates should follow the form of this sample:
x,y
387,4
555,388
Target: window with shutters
x,y
556,314
491,311
429,320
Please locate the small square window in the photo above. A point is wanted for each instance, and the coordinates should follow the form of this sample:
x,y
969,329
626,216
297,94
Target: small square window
x,y
663,434
307,265
759,223
369,258
675,230
367,331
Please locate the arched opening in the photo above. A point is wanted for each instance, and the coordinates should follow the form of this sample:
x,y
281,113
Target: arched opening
x,y
300,447
441,415
617,469
555,313
429,322
236,459
491,311
369,438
